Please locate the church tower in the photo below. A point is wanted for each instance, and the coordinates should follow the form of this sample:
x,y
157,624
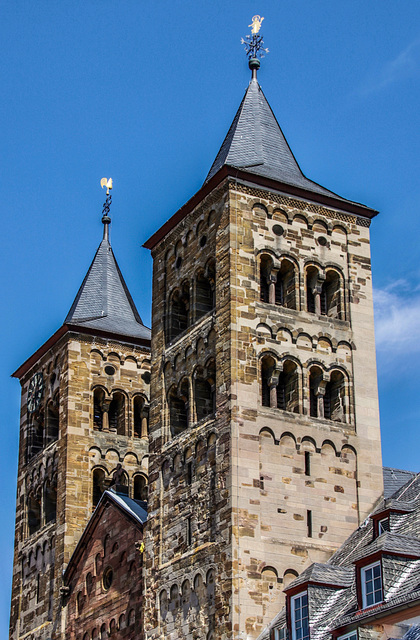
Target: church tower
x,y
84,414
264,436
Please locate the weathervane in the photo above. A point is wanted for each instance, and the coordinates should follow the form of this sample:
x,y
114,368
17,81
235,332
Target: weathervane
x,y
107,204
254,45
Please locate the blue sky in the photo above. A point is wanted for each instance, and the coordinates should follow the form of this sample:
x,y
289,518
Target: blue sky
x,y
145,92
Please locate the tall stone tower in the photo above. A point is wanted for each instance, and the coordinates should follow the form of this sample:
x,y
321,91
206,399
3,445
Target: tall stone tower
x,y
85,398
264,436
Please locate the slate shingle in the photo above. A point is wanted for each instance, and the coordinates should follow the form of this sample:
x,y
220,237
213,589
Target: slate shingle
x,y
256,143
103,302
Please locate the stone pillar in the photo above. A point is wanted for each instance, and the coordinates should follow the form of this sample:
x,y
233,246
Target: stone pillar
x,y
144,429
272,287
272,382
105,416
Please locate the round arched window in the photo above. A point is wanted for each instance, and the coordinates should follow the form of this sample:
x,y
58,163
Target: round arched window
x,y
107,578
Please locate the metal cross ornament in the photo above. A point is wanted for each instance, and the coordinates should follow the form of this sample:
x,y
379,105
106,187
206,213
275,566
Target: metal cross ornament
x,y
254,44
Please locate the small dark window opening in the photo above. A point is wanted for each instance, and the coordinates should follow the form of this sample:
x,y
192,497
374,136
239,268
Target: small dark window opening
x,y
267,368
309,523
50,503
311,280
204,400
285,285
178,412
98,478
331,304
116,414
179,318
178,262
203,241
37,588
107,578
287,388
333,398
265,270
307,463
315,377
36,434
204,299
189,531
140,488
98,398
109,370
52,422
189,472
34,514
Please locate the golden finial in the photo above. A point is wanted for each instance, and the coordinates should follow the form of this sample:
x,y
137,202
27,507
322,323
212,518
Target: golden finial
x,y
256,24
106,183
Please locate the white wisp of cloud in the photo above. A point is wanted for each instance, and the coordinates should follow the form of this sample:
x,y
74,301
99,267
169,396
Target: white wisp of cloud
x,y
397,320
404,65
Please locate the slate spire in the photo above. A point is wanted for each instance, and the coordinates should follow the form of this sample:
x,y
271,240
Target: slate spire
x,y
103,302
256,144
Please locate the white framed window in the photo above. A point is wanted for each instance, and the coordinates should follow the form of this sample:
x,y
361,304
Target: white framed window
x,y
348,636
300,616
371,584
279,634
383,525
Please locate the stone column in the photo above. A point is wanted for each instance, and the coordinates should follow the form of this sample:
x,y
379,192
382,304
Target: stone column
x,y
105,417
272,279
144,421
273,381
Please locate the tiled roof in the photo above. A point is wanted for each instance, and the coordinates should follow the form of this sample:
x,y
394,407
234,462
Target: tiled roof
x,y
131,506
331,609
256,143
325,574
390,543
104,302
394,479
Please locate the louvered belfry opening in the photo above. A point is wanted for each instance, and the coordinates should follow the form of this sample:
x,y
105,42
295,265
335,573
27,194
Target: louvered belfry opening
x,y
179,312
288,388
286,285
116,413
334,397
265,270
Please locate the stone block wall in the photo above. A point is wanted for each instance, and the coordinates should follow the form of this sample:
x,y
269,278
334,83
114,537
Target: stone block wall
x,y
106,590
296,463
72,368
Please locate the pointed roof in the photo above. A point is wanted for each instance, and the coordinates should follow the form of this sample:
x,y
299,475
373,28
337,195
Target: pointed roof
x,y
256,143
103,301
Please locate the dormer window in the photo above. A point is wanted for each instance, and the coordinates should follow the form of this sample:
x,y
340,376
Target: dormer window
x,y
383,525
300,616
371,578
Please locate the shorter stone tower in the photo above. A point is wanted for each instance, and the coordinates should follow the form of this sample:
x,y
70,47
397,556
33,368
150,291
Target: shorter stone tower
x,y
84,413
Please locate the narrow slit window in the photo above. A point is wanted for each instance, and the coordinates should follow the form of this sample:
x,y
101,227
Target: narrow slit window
x,y
307,463
309,523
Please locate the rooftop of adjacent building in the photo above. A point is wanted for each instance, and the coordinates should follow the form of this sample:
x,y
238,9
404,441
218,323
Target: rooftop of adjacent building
x,y
401,545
